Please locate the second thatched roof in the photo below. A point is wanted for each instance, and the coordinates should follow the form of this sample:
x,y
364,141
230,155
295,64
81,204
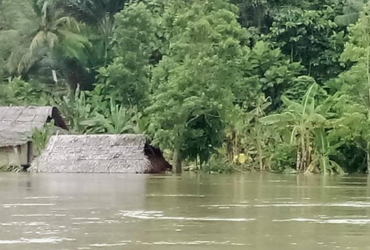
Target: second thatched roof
x,y
93,154
17,124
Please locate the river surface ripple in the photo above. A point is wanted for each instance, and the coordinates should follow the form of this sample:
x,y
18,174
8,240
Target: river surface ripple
x,y
252,211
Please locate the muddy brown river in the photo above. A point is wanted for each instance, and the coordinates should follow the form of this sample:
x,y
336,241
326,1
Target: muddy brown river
x,y
202,212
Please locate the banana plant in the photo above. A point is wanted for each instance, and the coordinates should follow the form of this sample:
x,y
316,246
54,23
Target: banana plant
x,y
301,120
257,130
321,158
245,133
115,119
40,137
77,109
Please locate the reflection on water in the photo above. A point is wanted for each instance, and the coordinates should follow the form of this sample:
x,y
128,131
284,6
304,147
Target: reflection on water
x,y
253,211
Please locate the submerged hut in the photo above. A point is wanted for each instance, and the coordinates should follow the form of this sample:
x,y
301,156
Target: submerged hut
x,y
99,154
17,124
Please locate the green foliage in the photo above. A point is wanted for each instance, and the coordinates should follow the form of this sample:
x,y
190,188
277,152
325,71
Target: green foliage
x,y
19,92
218,164
193,82
283,156
258,14
92,12
15,23
76,109
113,120
53,33
299,86
89,112
41,137
355,85
267,70
15,169
300,120
351,12
126,79
321,159
311,37
256,133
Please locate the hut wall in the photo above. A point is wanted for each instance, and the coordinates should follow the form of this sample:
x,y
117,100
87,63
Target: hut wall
x,y
6,155
14,156
23,153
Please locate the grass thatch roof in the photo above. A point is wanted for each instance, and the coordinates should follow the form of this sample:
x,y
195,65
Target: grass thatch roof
x,y
93,154
18,123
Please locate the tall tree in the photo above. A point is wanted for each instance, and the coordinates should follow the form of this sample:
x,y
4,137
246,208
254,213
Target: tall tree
x,y
51,40
268,71
356,81
193,83
312,38
14,24
99,15
127,77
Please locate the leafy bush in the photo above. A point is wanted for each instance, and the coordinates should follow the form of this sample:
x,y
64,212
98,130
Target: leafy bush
x,y
15,169
283,156
19,92
218,164
40,138
76,109
114,119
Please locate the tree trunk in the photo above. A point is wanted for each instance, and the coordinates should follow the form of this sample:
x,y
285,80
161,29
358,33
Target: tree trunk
x,y
368,112
177,161
298,161
177,157
368,158
308,151
303,154
230,147
259,150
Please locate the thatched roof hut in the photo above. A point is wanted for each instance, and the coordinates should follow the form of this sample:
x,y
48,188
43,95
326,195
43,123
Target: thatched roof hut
x,y
17,125
96,154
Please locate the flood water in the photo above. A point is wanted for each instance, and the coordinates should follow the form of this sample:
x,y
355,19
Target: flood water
x,y
203,212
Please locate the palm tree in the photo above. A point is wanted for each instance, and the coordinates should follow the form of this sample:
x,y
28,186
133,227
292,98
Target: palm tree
x,y
91,12
55,38
98,14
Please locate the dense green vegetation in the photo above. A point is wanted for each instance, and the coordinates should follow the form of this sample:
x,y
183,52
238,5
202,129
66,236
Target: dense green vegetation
x,y
277,85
